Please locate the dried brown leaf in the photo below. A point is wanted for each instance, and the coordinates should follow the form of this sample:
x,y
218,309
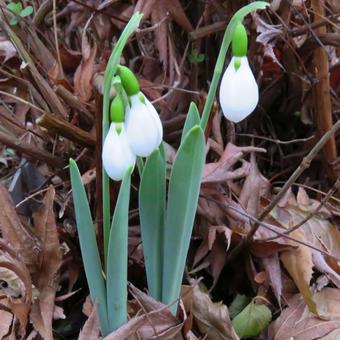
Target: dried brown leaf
x,y
47,278
83,75
273,269
90,330
157,321
211,318
25,243
296,322
299,265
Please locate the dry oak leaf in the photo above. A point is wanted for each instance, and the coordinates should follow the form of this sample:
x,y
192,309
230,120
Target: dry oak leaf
x,y
318,230
296,322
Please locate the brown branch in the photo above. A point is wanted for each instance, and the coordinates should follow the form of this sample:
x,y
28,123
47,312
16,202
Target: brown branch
x,y
322,94
74,102
63,128
30,150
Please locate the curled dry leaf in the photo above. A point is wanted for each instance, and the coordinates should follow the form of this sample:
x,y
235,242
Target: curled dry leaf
x,y
268,37
211,318
90,330
83,75
20,306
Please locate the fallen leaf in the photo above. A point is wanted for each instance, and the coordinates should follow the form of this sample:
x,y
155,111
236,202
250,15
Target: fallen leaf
x,y
252,320
157,321
211,318
25,243
239,303
273,269
49,261
83,75
7,50
296,322
299,265
90,330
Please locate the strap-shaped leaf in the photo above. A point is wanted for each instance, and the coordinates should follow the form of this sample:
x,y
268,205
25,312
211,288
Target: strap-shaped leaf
x,y
193,118
117,258
88,247
184,187
151,213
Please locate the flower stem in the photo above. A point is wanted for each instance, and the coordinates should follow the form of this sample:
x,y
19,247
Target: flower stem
x,y
110,71
238,16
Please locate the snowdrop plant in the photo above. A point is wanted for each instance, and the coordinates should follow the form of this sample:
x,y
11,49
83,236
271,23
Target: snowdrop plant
x,y
167,207
143,126
239,92
117,154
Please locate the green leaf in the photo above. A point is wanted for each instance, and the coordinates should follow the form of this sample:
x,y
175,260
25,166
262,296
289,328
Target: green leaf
x,y
88,247
193,118
238,304
151,212
15,7
184,187
26,11
13,21
238,16
252,320
117,258
110,71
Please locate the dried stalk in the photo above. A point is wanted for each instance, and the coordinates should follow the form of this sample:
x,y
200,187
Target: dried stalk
x,y
63,128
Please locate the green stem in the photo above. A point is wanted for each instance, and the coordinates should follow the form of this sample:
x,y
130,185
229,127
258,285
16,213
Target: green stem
x,y
110,70
238,16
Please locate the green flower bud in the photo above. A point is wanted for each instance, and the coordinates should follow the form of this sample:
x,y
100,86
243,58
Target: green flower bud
x,y
239,42
117,110
129,80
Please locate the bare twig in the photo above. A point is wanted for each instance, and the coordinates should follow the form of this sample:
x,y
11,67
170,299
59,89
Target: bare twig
x,y
277,141
29,150
311,214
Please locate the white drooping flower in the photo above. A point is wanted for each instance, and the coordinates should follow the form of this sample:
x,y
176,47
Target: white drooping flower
x,y
239,93
143,126
117,155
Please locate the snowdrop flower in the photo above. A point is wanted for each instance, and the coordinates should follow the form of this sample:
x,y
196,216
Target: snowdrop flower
x,y
239,92
143,126
117,155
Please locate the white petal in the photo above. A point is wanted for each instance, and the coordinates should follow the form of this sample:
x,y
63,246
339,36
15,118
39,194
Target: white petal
x,y
117,155
158,122
141,128
239,92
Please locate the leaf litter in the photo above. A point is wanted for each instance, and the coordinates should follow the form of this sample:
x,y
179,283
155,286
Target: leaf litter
x,y
58,71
